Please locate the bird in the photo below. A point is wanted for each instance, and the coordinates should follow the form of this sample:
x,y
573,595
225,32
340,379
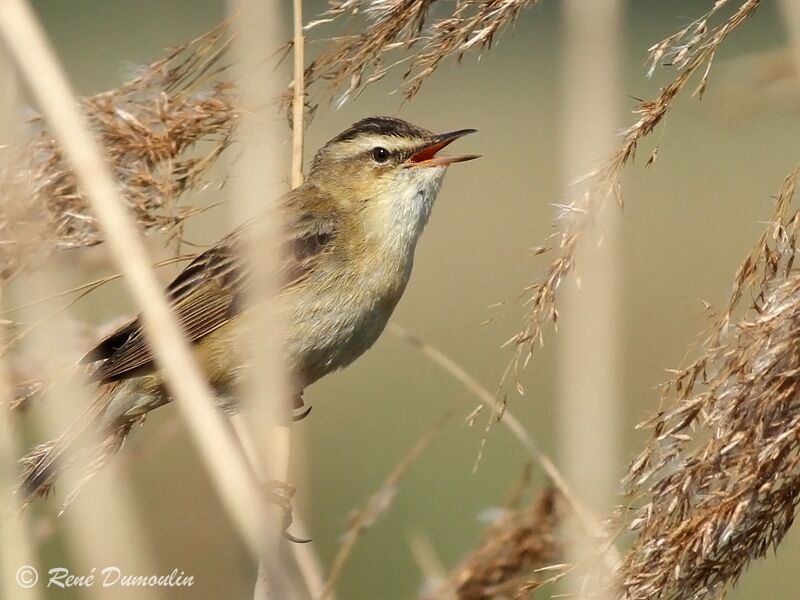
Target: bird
x,y
349,236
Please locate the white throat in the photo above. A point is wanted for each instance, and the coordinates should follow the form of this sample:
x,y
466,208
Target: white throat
x,y
410,207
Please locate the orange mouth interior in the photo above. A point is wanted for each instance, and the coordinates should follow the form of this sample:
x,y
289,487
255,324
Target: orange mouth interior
x,y
429,152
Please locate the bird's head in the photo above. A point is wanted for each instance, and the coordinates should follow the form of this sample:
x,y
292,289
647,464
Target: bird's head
x,y
386,169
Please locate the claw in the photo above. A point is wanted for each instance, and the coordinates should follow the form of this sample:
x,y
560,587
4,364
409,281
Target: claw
x,y
298,404
281,494
295,540
302,415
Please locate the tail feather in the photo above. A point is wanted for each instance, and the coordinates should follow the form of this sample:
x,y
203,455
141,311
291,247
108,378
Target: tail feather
x,y
41,466
101,455
38,471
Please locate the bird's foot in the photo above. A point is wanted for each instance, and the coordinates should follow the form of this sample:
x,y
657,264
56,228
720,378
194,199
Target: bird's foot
x,y
300,409
280,494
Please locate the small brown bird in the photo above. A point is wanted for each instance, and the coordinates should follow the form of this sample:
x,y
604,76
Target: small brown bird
x,y
351,230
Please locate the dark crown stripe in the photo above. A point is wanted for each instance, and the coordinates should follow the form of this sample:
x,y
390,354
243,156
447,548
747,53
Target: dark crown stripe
x,y
390,126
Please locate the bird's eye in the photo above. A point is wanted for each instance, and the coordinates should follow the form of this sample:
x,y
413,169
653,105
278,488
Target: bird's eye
x,y
380,155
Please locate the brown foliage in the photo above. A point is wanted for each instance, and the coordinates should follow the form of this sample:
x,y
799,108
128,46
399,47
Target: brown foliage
x,y
719,483
359,59
513,547
150,128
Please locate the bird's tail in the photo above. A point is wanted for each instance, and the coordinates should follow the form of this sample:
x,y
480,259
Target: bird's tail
x,y
89,443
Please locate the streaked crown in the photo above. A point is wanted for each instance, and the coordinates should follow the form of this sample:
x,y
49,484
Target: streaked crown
x,y
399,138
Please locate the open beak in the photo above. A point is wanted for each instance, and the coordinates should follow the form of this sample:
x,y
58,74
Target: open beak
x,y
426,157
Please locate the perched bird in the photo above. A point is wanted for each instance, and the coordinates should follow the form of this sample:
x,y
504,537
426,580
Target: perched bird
x,y
350,234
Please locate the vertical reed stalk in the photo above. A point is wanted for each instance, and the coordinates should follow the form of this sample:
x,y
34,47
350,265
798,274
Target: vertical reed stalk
x,y
308,562
298,97
51,90
260,180
304,554
17,549
588,345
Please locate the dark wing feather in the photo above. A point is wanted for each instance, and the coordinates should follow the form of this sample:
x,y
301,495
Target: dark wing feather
x,y
208,293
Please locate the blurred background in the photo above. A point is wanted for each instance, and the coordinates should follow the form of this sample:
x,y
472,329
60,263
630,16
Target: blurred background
x,y
688,222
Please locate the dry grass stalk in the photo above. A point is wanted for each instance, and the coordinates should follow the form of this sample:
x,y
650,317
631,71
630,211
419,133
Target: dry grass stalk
x,y
151,128
719,483
388,26
519,553
305,555
265,394
587,520
299,92
307,561
690,51
589,419
363,518
15,540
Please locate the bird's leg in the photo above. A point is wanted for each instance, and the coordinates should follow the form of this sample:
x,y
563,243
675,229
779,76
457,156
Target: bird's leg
x,y
300,412
276,492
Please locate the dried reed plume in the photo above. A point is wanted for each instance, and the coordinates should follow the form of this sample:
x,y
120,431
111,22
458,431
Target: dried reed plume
x,y
515,549
165,128
719,483
150,128
358,60
690,51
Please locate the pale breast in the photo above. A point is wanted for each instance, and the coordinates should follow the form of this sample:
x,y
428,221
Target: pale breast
x,y
338,318
340,312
